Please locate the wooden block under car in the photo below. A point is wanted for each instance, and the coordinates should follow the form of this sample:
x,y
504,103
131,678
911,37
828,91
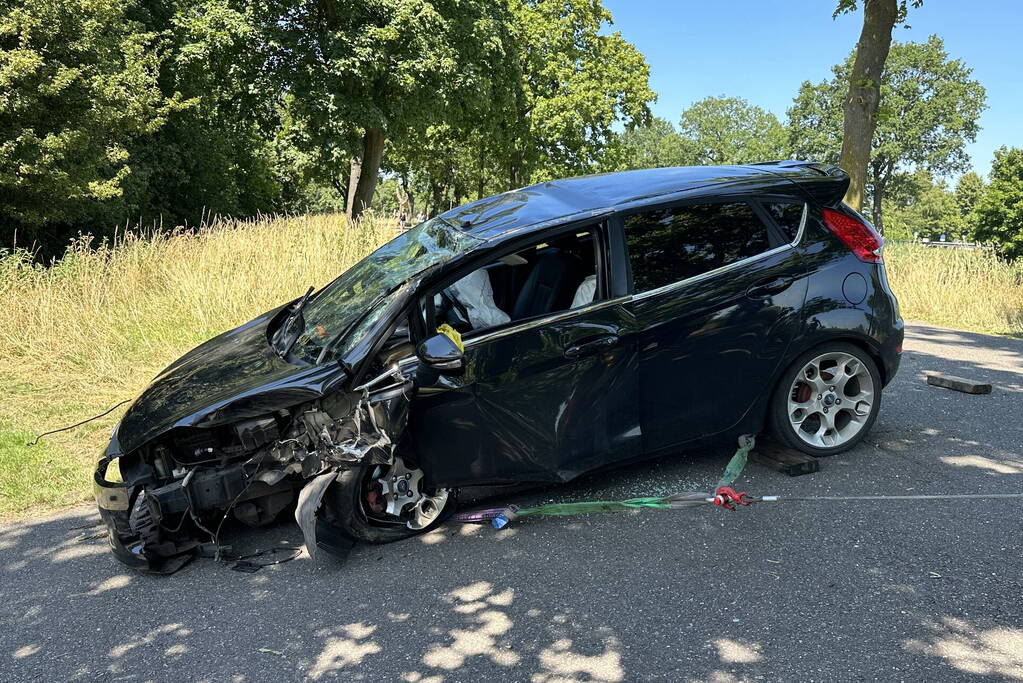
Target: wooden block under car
x,y
967,386
785,460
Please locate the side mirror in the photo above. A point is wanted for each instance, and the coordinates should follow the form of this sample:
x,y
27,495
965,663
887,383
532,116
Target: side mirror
x,y
440,353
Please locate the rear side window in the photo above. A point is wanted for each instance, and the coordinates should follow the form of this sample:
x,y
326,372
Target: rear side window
x,y
669,245
788,216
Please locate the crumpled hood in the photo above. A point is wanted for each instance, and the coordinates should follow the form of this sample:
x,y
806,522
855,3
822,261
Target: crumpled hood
x,y
230,377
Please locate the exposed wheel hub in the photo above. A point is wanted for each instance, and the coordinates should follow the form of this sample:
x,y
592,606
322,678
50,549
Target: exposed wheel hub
x,y
396,491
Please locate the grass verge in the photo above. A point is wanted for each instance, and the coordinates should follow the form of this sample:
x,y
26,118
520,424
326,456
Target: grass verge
x,y
98,325
969,290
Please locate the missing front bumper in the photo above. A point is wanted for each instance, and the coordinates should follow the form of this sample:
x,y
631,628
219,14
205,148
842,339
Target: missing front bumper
x,y
134,544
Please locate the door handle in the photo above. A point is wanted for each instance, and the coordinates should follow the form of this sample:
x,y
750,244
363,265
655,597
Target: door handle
x,y
591,346
766,288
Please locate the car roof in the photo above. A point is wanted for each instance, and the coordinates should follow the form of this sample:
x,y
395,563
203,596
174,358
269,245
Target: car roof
x,y
537,205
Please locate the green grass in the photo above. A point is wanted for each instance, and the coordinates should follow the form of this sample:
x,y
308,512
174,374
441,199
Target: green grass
x,y
36,478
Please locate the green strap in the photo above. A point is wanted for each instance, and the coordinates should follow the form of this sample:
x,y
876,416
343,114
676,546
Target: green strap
x,y
737,464
588,507
732,471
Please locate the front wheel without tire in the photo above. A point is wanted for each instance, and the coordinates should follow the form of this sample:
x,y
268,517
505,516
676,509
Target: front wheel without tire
x,y
827,400
384,503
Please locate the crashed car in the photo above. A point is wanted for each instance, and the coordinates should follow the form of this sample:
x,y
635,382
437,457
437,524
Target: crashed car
x,y
531,336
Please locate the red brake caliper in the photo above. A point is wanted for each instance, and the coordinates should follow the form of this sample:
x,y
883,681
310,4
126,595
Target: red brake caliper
x,y
373,498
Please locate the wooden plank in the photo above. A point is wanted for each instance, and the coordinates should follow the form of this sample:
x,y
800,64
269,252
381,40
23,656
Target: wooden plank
x,y
784,460
967,386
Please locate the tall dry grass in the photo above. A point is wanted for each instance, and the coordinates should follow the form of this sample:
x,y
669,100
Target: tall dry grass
x,y
96,326
970,290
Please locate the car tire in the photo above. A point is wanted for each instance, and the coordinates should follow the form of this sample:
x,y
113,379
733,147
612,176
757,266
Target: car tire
x,y
820,412
345,507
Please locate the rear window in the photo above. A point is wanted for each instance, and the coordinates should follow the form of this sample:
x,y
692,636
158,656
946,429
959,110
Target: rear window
x,y
670,245
788,216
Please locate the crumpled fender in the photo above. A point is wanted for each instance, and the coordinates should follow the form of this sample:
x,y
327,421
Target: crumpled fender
x,y
319,534
114,500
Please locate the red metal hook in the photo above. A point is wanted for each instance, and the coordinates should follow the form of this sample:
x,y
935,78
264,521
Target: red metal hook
x,y
726,497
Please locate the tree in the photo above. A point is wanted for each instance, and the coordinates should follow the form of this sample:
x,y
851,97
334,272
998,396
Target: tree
x,y
729,130
968,190
656,145
999,210
218,152
78,85
929,112
573,84
917,207
363,73
862,87
577,82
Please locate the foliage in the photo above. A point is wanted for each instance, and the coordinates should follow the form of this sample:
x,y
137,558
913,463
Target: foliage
x,y
965,289
846,6
78,85
729,130
968,190
217,154
573,83
577,82
929,110
999,210
917,207
656,145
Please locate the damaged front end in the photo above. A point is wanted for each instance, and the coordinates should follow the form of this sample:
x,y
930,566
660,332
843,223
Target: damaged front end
x,y
177,490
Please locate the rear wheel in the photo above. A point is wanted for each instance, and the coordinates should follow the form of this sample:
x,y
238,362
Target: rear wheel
x,y
827,400
384,503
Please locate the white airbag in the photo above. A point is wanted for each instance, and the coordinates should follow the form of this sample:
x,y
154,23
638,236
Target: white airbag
x,y
475,293
585,292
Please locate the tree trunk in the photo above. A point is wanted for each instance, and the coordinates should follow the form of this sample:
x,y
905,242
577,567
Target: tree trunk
x,y
368,173
875,212
864,94
353,180
408,202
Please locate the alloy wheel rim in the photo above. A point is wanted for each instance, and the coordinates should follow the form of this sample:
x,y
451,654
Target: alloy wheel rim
x,y
393,495
830,400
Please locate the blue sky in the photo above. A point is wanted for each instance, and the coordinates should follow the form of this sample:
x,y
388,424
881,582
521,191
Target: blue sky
x,y
761,50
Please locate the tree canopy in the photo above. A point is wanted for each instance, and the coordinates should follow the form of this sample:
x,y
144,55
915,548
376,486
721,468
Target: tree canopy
x,y
929,110
126,111
729,130
999,209
656,145
78,86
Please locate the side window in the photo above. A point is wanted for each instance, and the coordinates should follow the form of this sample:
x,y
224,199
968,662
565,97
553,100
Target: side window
x,y
551,276
788,216
669,245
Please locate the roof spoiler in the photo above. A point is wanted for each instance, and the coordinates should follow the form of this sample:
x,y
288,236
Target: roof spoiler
x,y
827,187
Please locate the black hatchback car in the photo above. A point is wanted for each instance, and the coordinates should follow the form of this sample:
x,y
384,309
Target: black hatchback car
x,y
527,337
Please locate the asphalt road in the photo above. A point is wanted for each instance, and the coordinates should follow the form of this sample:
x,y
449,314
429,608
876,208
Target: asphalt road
x,y
788,591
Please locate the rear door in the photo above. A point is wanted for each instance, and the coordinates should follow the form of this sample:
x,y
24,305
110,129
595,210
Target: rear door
x,y
717,292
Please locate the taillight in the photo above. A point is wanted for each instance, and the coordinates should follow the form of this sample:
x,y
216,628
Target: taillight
x,y
861,239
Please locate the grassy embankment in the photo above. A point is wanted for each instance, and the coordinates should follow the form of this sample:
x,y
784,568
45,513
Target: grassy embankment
x,y
93,329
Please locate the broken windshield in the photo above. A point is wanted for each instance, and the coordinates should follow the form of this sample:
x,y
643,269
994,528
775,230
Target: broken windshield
x,y
360,295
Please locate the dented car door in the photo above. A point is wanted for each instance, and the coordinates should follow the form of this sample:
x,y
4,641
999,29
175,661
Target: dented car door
x,y
544,399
